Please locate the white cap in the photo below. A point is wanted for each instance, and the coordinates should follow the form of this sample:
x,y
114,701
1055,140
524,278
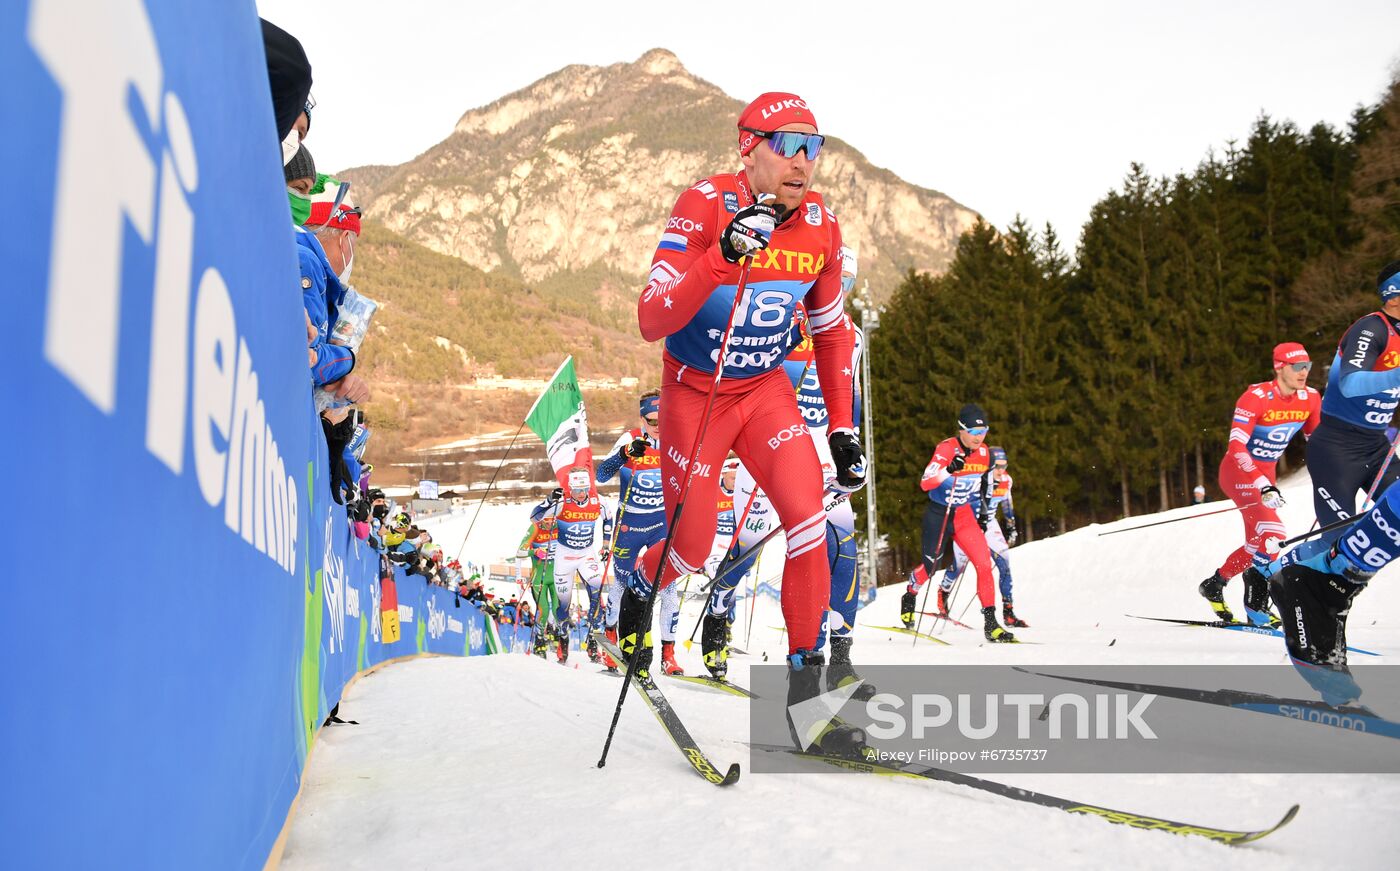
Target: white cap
x,y
578,480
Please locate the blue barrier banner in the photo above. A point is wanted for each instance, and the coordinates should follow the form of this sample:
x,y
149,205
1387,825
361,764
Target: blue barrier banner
x,y
194,602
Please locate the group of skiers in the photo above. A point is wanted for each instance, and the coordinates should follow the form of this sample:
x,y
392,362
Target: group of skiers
x,y
754,429
1351,446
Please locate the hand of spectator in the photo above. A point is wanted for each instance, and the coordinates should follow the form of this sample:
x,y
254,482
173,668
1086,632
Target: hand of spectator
x,y
311,332
351,387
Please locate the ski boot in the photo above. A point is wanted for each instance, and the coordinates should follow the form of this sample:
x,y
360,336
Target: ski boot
x,y
541,643
813,730
943,604
561,643
1008,616
668,659
610,633
632,629
840,672
1256,599
992,630
1212,588
907,603
1314,605
592,649
714,645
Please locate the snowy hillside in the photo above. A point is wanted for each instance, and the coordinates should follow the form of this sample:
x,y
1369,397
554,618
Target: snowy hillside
x,y
478,756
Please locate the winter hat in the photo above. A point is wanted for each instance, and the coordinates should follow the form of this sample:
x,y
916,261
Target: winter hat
x,y
300,166
579,479
998,454
288,76
650,405
769,112
1289,352
344,217
1388,283
971,416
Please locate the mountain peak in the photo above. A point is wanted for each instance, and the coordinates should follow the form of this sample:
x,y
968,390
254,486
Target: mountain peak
x,y
577,171
661,62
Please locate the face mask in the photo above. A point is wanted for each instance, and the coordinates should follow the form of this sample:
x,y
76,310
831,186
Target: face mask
x,y
290,146
345,276
301,206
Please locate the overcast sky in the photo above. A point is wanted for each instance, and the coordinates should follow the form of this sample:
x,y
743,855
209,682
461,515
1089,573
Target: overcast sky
x,y
1035,108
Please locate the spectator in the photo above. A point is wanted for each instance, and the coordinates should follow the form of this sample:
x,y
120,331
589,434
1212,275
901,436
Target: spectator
x,y
289,80
300,174
337,224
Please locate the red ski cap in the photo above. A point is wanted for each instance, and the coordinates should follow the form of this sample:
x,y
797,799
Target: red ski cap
x,y
1289,352
770,111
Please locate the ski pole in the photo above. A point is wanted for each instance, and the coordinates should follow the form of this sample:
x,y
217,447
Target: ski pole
x,y
1390,455
938,557
675,519
1274,546
753,596
738,528
1178,519
731,561
492,483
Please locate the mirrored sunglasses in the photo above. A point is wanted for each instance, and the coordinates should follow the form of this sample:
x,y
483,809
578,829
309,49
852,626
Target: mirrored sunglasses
x,y
788,142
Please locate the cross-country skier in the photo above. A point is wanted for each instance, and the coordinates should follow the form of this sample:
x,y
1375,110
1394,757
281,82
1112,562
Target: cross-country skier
x,y
998,497
957,469
1313,586
1267,417
641,521
769,213
1348,450
580,517
725,516
539,544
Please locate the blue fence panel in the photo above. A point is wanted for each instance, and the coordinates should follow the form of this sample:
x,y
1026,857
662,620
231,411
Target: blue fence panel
x,y
186,602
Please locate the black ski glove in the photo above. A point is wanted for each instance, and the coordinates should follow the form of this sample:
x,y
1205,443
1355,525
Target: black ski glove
x,y
556,496
638,447
749,231
956,464
849,460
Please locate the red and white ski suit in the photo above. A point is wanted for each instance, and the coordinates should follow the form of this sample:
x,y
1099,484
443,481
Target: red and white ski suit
x,y
687,302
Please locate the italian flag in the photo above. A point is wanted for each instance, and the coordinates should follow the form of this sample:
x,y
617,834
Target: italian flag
x,y
558,418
